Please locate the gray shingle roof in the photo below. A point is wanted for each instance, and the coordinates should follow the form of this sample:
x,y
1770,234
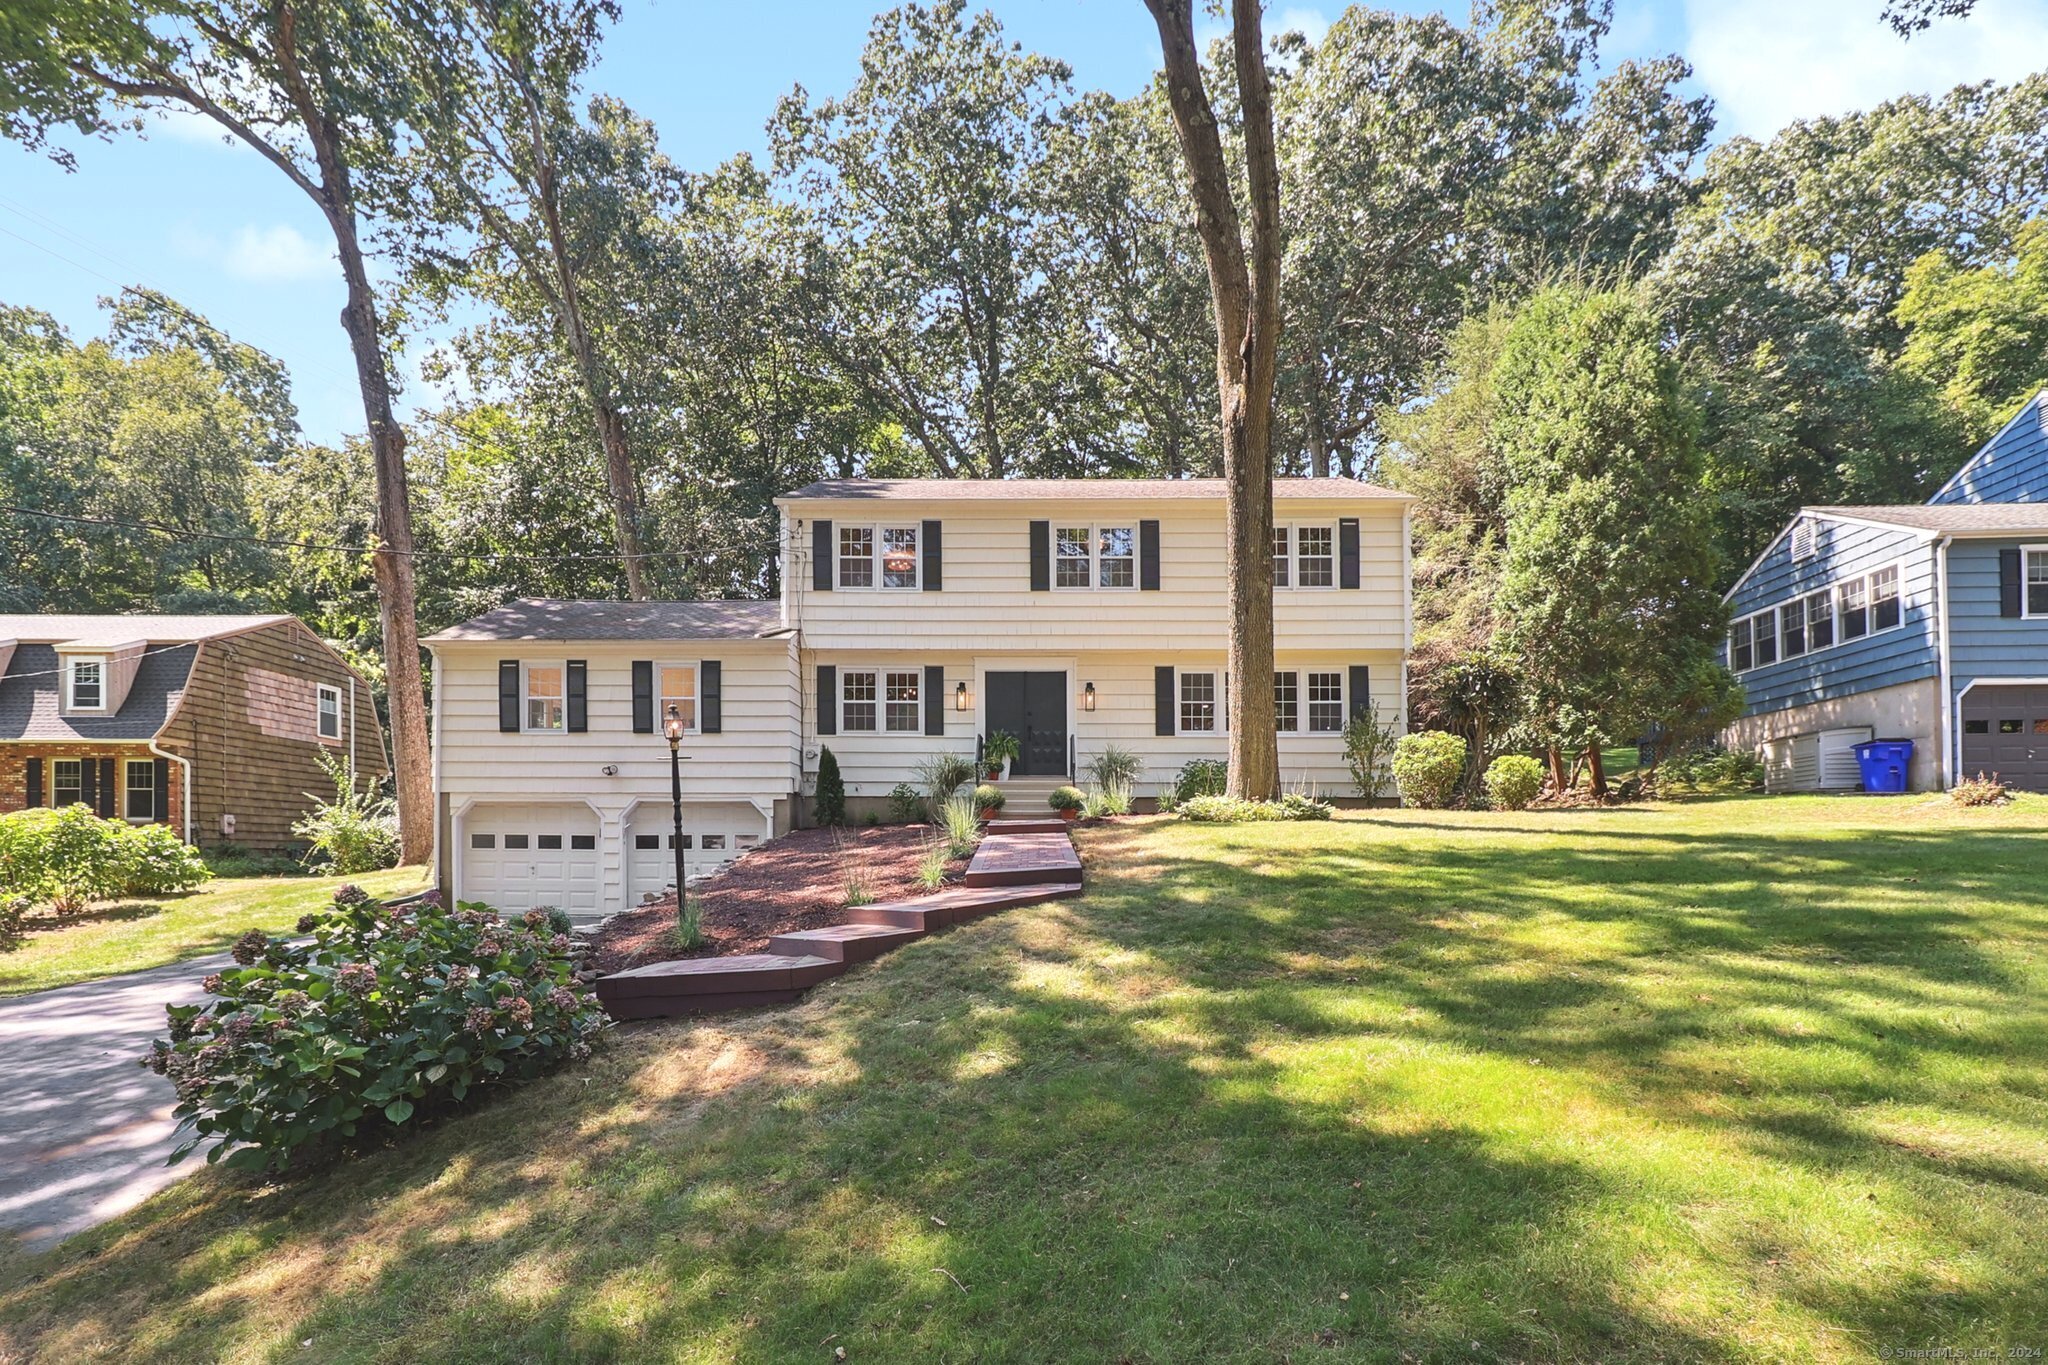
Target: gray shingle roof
x,y
28,695
1978,518
1063,490
115,630
550,619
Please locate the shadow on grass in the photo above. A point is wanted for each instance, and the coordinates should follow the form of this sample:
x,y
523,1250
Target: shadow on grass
x,y
1615,1099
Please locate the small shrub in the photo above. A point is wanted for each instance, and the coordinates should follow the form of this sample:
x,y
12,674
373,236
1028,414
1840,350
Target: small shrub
x,y
335,1042
558,920
940,775
989,798
1228,810
687,934
1066,798
962,819
1110,799
1427,766
14,912
1710,770
931,863
1369,750
352,832
1513,781
1115,767
830,806
63,858
1980,791
1302,806
238,860
1200,777
156,862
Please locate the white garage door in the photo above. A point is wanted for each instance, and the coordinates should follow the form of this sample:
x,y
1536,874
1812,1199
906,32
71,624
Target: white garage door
x,y
517,857
714,832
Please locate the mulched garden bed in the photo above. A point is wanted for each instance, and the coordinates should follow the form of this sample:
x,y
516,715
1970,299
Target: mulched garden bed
x,y
795,882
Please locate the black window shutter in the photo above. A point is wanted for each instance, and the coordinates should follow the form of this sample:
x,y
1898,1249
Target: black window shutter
x,y
828,699
109,792
934,557
576,692
1148,556
643,696
508,694
89,783
711,710
34,767
934,699
1361,690
821,556
2009,583
1041,556
160,790
1162,700
1347,552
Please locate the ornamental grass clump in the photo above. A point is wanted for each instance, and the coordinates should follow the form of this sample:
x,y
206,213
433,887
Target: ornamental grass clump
x,y
962,819
320,1048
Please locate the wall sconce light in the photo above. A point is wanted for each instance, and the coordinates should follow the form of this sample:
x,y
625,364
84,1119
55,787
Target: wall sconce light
x,y
1088,697
610,770
960,697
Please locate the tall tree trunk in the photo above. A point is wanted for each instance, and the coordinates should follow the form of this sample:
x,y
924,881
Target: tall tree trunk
x,y
1246,297
1559,783
1596,768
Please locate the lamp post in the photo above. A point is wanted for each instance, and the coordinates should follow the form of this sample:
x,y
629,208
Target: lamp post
x,y
672,726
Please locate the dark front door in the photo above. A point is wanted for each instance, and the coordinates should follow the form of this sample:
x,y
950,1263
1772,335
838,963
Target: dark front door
x,y
1033,707
2005,735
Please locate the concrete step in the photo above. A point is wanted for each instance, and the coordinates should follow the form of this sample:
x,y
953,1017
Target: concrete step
x,y
844,943
957,905
1024,860
1027,824
704,985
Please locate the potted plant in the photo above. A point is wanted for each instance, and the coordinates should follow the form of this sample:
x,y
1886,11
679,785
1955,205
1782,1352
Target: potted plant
x,y
1067,801
989,801
999,751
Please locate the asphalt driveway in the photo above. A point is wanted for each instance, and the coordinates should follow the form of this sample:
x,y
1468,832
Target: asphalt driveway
x,y
83,1130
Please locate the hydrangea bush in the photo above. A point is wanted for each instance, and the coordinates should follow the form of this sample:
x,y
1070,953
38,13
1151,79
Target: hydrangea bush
x,y
68,857
318,1046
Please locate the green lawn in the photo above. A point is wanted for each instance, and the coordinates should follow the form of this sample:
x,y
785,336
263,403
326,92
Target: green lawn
x,y
1749,1079
127,936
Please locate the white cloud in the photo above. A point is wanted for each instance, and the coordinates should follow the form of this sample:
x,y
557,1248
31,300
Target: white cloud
x,y
1310,23
189,126
1769,62
276,254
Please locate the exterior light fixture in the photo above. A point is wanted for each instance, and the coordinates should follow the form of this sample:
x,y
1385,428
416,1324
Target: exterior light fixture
x,y
1088,697
960,697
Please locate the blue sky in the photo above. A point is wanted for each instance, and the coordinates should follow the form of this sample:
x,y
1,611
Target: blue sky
x,y
224,234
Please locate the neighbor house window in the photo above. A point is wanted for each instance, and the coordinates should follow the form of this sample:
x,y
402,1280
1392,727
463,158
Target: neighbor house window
x,y
1198,711
328,715
1315,556
1286,703
901,713
88,679
1741,655
1792,628
67,781
1070,567
2037,583
1852,609
138,798
1884,599
1325,703
544,697
1820,620
1849,610
1766,638
857,701
856,556
678,689
1282,539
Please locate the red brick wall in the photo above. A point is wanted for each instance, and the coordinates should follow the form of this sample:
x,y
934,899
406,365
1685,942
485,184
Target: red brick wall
x,y
14,773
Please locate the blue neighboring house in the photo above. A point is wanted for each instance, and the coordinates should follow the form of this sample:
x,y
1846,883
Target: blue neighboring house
x,y
1922,621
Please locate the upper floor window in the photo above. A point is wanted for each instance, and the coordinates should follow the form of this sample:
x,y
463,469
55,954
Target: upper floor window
x,y
678,688
1095,557
1741,645
878,555
546,706
1884,599
1282,538
1852,609
87,681
1792,628
1070,556
1315,556
327,716
2037,582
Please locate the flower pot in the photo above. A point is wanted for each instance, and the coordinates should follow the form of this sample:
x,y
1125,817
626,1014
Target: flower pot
x,y
990,812
1070,815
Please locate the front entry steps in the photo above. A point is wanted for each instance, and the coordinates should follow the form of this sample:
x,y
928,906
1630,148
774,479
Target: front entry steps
x,y
1028,868
1028,824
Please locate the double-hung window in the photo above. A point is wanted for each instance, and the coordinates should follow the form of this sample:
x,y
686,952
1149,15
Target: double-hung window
x,y
1820,620
1741,647
1852,609
138,799
1792,628
902,713
67,781
1884,599
88,684
1070,557
885,556
1315,556
1766,637
2036,603
1325,703
1200,713
678,688
858,712
546,707
875,700
856,556
899,556
1287,703
1095,557
327,711
1282,556
1116,556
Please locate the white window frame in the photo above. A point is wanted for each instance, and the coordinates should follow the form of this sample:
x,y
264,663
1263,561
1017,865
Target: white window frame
x,y
662,696
74,662
128,790
526,697
2027,553
56,765
1296,558
1304,726
882,674
1094,557
322,694
915,701
1832,591
878,534
1283,555
1293,680
1220,700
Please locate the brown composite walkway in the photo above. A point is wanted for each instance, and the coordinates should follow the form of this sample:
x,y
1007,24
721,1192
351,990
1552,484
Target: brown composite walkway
x,y
1009,869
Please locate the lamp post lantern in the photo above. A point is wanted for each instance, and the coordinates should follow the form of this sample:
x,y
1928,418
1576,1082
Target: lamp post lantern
x,y
672,726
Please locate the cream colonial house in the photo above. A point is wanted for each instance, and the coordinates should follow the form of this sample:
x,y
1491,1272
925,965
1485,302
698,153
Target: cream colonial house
x,y
917,616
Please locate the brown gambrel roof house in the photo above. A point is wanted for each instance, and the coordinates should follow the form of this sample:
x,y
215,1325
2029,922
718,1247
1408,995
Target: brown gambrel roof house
x,y
210,724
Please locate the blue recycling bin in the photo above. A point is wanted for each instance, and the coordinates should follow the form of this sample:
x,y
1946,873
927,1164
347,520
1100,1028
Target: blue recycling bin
x,y
1885,763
